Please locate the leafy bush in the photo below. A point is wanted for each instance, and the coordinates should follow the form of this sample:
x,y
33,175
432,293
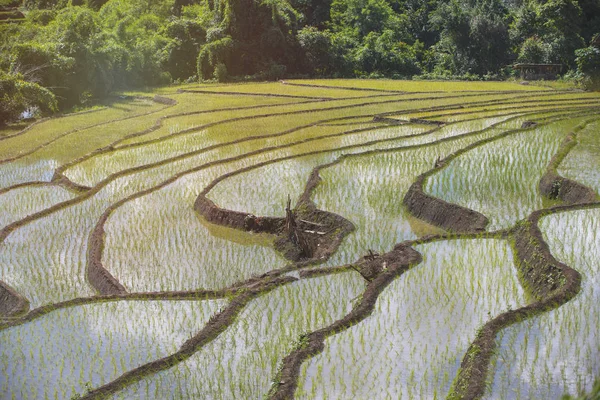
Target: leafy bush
x,y
588,64
533,51
17,96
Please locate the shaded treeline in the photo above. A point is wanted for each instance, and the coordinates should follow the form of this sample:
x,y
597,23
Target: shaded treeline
x,y
63,53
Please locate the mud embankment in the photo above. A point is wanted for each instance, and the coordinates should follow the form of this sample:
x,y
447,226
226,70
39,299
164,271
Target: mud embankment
x,y
551,282
448,216
318,233
215,326
391,265
11,302
97,275
554,186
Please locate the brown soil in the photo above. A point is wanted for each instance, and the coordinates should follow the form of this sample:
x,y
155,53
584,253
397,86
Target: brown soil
x,y
322,231
448,216
98,277
164,100
11,302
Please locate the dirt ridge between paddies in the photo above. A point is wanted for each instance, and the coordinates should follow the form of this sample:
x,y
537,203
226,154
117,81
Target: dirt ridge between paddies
x,y
103,274
551,282
318,246
77,130
399,260
113,147
215,326
554,186
449,216
4,232
101,280
88,192
105,281
11,302
16,320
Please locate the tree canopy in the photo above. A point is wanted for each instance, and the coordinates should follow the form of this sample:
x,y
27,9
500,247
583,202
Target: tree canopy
x,y
82,49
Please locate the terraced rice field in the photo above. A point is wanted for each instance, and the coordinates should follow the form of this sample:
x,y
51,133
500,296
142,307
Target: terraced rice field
x,y
441,241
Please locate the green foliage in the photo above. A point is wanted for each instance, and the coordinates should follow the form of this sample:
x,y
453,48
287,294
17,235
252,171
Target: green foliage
x,y
533,51
473,39
18,96
317,46
83,49
588,64
212,54
220,73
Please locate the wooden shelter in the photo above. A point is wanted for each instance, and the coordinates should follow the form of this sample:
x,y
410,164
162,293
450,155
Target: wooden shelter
x,y
538,71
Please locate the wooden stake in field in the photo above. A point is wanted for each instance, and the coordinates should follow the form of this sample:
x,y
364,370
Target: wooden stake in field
x,y
293,232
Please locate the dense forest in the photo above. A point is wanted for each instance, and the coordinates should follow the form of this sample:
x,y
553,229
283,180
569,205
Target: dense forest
x,y
60,54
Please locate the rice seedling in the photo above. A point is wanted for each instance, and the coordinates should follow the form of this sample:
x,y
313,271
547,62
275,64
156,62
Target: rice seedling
x,y
20,202
61,352
413,343
257,341
420,86
557,352
582,164
500,178
147,162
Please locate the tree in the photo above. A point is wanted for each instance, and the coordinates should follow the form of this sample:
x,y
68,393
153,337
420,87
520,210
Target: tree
x,y
473,39
18,95
588,64
533,51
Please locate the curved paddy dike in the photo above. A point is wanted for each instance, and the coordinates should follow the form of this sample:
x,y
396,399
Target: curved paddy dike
x,y
113,147
105,283
316,246
397,261
127,296
104,280
290,96
76,130
323,248
554,186
157,125
24,185
305,207
16,320
62,180
98,272
373,271
400,91
379,272
431,119
215,326
438,212
551,282
87,192
101,279
11,302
